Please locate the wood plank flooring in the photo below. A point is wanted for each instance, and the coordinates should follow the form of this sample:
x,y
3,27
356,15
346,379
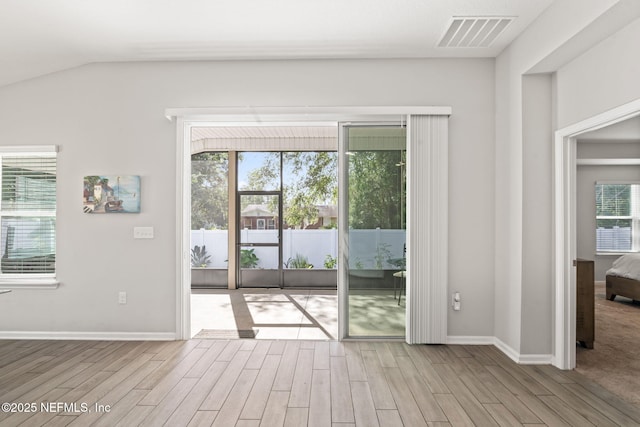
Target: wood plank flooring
x,y
290,383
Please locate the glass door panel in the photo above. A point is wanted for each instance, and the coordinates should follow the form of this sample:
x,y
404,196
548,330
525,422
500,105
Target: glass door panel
x,y
375,228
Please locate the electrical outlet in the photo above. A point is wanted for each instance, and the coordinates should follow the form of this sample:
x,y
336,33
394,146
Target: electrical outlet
x,y
455,301
143,232
122,297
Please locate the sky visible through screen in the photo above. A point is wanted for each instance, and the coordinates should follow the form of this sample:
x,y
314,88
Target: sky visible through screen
x,y
250,161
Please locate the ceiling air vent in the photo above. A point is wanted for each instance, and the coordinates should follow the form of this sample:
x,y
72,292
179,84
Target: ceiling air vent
x,y
474,31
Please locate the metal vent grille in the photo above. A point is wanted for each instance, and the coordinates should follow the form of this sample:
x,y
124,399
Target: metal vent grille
x,y
469,31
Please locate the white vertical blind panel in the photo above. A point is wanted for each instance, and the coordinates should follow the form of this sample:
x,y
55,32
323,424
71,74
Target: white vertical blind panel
x,y
427,261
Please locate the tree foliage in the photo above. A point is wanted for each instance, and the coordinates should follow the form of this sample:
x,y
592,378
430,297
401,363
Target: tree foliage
x,y
209,191
313,181
310,179
377,188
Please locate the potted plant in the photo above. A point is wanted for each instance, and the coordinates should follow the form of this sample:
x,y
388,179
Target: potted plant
x,y
199,257
201,274
248,258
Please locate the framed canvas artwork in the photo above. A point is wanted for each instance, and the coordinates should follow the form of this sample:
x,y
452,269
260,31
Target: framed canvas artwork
x,y
111,194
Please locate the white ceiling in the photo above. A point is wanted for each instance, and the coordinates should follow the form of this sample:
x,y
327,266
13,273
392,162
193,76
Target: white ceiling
x,y
43,36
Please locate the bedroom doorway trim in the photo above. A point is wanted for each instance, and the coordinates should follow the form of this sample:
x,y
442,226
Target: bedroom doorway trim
x,y
565,234
184,118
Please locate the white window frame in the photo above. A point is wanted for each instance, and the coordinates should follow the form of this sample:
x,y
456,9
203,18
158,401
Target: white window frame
x,y
271,224
261,224
634,217
35,280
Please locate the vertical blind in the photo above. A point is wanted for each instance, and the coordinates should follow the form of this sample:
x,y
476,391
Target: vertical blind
x,y
28,213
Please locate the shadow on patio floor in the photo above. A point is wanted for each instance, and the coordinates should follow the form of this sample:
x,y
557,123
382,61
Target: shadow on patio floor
x,y
270,313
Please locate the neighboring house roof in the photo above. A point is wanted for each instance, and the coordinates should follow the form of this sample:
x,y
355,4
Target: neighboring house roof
x,y
324,211
257,210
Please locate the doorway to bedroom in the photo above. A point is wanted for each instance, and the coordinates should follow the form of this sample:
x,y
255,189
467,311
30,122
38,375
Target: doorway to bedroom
x,y
607,224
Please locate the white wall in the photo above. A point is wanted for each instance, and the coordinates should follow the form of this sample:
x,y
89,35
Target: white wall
x,y
599,80
109,119
537,228
602,78
522,323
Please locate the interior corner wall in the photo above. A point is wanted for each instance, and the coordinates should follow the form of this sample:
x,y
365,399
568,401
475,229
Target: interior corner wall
x,y
108,118
549,32
537,214
508,226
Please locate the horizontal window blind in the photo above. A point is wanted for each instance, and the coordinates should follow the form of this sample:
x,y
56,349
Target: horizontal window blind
x,y
28,213
617,216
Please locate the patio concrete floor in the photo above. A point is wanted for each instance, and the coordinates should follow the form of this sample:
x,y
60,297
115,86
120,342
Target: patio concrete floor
x,y
275,313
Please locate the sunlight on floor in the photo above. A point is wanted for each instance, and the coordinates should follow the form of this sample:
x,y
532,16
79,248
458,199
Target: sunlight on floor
x,y
270,313
296,314
376,314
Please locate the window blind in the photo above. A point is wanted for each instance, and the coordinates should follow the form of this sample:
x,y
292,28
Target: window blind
x,y
28,213
617,217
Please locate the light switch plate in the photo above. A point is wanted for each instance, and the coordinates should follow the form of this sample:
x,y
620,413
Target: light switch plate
x,y
143,232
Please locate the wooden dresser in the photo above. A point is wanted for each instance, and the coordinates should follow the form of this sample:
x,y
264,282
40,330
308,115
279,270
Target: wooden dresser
x,y
585,303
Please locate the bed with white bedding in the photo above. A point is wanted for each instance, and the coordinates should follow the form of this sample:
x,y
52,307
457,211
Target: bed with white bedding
x,y
623,278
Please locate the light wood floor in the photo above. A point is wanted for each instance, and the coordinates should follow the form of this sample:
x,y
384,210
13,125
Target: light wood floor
x,y
292,383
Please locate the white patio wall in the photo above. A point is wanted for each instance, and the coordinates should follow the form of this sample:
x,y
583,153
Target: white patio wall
x,y
366,246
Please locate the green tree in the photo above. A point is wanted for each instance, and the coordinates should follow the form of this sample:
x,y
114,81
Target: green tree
x,y
310,179
209,191
377,188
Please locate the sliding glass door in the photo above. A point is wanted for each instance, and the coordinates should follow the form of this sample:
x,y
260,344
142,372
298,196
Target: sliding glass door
x,y
373,229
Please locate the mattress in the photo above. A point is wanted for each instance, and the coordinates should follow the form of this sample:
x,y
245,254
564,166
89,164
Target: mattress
x,y
626,266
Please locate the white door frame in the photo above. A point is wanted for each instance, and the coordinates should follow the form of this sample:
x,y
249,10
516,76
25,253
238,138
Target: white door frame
x,y
565,244
187,117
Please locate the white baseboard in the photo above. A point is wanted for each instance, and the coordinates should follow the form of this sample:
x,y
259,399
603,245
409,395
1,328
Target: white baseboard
x,y
506,349
523,359
470,340
536,359
89,336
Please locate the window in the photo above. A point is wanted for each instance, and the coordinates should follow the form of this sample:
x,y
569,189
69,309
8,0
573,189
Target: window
x,y
27,213
271,224
617,217
261,223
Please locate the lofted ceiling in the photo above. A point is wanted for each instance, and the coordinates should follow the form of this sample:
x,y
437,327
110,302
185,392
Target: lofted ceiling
x,y
39,37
